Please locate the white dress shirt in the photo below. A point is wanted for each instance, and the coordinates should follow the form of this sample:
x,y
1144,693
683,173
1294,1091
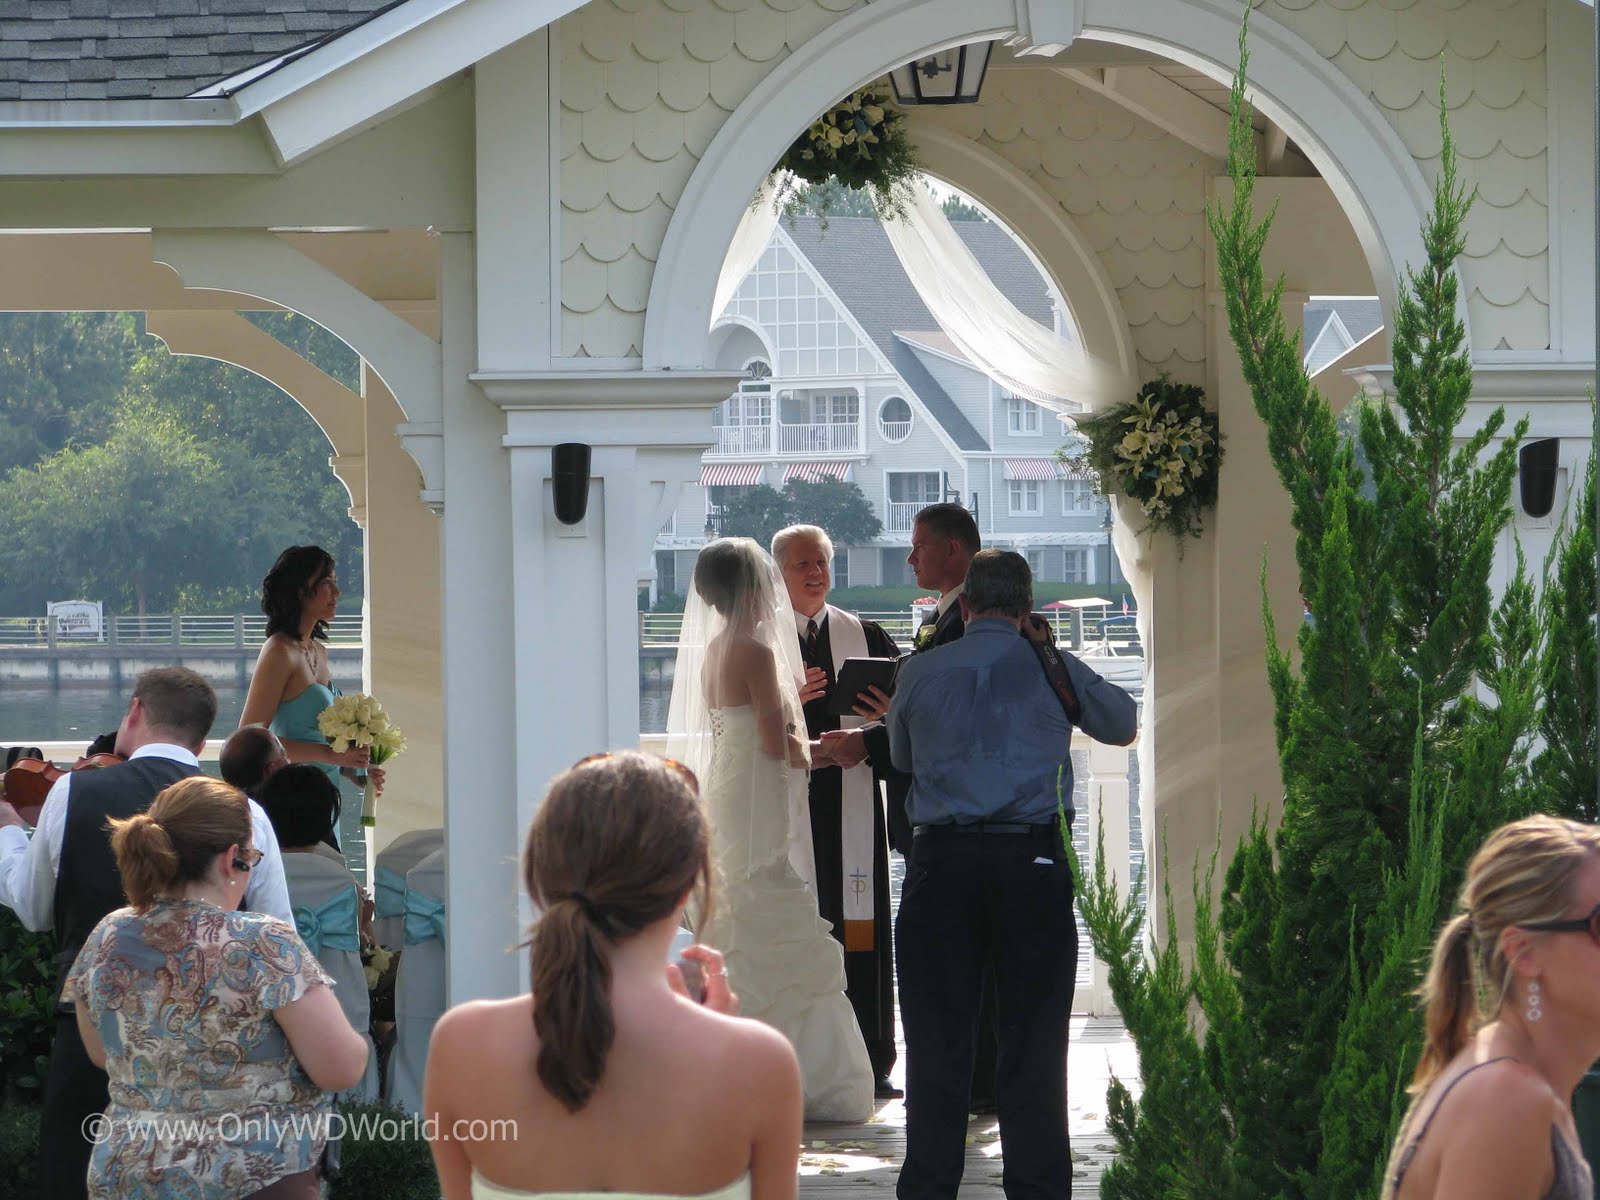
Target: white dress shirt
x,y
801,620
950,597
28,867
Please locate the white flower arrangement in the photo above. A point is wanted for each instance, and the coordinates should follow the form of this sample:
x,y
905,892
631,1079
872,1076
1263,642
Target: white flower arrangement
x,y
359,720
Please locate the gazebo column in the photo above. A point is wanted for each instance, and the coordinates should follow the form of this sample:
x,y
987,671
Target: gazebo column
x,y
1211,749
401,665
477,672
576,586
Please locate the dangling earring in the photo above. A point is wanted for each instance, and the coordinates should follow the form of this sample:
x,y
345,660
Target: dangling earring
x,y
1535,1012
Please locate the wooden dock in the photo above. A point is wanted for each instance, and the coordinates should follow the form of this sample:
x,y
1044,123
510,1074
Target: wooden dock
x,y
855,1162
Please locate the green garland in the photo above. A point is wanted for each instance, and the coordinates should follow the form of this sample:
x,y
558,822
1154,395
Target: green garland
x,y
861,142
1162,450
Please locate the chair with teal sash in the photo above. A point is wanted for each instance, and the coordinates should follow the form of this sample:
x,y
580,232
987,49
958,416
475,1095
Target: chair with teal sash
x,y
325,899
419,984
389,882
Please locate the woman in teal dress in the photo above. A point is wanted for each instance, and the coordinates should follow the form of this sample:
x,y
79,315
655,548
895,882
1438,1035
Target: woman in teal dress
x,y
291,685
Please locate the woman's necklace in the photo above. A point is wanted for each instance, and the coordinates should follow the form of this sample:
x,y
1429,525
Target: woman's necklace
x,y
308,649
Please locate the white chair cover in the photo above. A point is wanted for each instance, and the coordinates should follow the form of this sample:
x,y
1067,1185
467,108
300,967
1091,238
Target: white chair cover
x,y
419,984
325,898
389,882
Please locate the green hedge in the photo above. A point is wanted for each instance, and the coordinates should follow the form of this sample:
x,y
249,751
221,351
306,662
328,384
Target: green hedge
x,y
27,1009
894,599
376,1168
19,1147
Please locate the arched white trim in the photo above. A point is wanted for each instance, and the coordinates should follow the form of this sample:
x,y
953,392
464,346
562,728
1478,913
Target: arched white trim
x,y
744,322
1363,159
1047,229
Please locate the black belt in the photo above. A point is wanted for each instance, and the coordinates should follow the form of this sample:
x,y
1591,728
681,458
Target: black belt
x,y
1000,828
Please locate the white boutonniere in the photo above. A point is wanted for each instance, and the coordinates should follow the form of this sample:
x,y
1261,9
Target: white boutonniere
x,y
924,637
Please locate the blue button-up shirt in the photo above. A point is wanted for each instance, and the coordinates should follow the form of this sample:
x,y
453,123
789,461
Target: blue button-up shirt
x,y
982,734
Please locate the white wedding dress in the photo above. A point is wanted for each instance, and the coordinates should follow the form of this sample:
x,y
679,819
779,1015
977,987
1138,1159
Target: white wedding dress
x,y
782,962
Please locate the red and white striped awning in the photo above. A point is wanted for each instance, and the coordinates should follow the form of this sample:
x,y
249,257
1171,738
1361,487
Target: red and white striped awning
x,y
815,471
729,474
1032,468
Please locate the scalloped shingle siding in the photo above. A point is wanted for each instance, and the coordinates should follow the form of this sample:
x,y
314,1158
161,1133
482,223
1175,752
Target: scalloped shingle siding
x,y
645,85
1494,62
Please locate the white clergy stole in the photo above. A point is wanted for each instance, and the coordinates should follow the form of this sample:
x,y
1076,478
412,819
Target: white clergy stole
x,y
858,813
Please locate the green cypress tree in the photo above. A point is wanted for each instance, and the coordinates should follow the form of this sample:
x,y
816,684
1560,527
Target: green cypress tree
x,y
1393,767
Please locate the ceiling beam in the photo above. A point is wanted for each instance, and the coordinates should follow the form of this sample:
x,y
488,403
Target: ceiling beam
x,y
1151,95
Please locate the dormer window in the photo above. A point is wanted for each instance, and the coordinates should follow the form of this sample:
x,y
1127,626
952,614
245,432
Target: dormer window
x,y
1022,417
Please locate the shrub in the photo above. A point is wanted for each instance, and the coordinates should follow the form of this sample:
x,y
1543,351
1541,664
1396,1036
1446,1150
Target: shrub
x,y
19,1148
379,1168
27,1008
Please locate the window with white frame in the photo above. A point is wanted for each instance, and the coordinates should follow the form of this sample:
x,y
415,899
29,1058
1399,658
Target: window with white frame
x,y
1077,566
835,408
1027,498
1077,496
1022,417
1035,557
915,487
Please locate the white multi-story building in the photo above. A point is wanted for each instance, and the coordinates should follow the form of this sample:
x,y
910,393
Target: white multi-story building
x,y
849,375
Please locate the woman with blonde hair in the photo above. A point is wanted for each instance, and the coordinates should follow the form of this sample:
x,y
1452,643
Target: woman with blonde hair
x,y
1512,1002
217,1028
607,1077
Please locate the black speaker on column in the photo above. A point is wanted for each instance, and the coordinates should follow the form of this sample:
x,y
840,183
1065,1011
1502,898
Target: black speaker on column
x,y
1536,476
569,479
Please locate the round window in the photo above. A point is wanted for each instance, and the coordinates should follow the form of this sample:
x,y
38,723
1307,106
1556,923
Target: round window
x,y
894,419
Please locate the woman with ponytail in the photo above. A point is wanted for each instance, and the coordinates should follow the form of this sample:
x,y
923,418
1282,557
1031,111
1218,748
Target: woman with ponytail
x,y
1512,1002
608,1077
218,1031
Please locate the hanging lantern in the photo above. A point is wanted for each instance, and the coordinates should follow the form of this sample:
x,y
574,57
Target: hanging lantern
x,y
953,76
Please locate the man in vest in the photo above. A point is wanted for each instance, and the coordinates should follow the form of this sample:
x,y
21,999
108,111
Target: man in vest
x,y
66,878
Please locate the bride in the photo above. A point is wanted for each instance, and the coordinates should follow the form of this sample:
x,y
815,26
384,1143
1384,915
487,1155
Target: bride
x,y
733,719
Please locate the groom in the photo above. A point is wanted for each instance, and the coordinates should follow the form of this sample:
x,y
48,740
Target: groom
x,y
848,837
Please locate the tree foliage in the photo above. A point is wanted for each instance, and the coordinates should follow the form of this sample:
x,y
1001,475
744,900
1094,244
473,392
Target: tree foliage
x,y
154,481
832,504
1403,728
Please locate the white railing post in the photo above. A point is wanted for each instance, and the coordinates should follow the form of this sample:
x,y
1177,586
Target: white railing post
x,y
1108,802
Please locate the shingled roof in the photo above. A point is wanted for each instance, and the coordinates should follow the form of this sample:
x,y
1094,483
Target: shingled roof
x,y
156,49
855,257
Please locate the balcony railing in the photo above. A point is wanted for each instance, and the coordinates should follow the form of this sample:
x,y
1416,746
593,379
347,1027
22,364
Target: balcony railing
x,y
902,517
895,431
819,439
741,441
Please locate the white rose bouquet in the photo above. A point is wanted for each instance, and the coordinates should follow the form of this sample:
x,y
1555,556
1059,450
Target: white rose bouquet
x,y
359,720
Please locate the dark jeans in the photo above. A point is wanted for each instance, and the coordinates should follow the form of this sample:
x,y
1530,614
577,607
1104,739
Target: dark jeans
x,y
74,1090
972,899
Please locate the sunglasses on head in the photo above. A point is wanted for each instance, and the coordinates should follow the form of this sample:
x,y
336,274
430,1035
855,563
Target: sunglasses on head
x,y
1589,925
684,772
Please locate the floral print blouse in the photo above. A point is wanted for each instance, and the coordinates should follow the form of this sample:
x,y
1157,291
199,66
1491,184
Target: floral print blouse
x,y
208,1102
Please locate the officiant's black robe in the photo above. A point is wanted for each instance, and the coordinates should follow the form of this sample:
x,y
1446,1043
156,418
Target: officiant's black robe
x,y
869,974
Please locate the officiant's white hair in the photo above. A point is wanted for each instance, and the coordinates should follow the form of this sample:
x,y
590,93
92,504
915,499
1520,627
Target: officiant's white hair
x,y
813,533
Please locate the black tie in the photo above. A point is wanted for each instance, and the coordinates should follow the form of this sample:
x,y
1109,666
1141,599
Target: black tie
x,y
811,640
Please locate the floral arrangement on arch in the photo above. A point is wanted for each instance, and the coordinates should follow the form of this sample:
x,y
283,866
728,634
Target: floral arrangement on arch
x,y
1162,450
861,143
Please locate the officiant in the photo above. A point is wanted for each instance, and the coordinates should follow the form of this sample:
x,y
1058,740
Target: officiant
x,y
848,835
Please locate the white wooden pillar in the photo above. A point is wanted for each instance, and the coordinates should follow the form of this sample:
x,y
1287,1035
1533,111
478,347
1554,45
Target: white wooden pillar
x,y
482,831
401,666
576,586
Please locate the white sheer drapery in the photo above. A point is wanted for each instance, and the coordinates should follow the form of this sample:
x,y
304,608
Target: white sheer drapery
x,y
985,326
749,240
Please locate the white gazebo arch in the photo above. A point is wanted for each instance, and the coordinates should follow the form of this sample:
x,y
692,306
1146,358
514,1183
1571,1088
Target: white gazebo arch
x,y
1364,160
